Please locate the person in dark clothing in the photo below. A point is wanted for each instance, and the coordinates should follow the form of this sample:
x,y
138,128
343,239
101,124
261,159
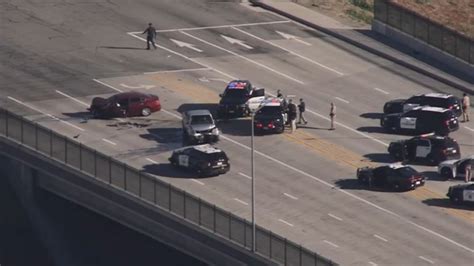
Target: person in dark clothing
x,y
279,94
302,109
292,115
150,36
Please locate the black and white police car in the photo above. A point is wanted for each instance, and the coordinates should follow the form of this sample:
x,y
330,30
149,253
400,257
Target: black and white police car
x,y
463,193
204,159
446,101
392,176
455,168
428,148
270,117
422,119
239,99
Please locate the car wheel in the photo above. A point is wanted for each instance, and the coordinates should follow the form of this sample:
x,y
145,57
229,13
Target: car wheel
x,y
446,173
146,111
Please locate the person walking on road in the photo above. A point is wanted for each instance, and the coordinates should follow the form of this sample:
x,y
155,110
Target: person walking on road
x,y
332,115
302,109
150,36
466,104
292,115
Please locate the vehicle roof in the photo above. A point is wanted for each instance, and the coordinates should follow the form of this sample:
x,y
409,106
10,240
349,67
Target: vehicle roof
x,y
272,101
131,94
396,166
206,148
198,112
431,109
238,84
431,136
437,95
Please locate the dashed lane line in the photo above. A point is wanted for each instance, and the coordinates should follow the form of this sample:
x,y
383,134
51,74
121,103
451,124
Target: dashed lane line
x,y
342,100
285,222
107,85
246,176
372,263
197,181
151,161
330,243
468,128
72,98
426,259
381,238
382,91
241,201
109,141
290,196
178,70
335,217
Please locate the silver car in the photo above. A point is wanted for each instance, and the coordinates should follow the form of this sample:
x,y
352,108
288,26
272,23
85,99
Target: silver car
x,y
455,168
199,127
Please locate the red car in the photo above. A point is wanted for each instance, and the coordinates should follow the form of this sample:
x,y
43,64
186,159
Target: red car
x,y
126,104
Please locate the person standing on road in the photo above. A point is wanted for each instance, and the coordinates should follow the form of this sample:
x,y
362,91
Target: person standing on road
x,y
332,115
467,172
279,94
302,109
150,36
292,115
466,104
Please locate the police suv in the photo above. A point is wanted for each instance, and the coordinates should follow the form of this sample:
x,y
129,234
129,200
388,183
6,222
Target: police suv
x,y
270,117
461,193
455,168
422,119
393,176
239,99
204,159
446,101
199,127
428,148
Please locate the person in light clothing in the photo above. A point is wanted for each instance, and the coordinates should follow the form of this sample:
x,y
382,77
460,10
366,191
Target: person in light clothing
x,y
466,104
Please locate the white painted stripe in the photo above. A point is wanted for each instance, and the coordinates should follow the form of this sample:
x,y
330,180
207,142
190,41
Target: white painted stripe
x,y
151,161
335,217
342,100
241,201
305,43
177,70
289,51
381,238
48,115
219,26
72,98
246,176
426,259
331,243
110,142
382,91
468,128
197,181
290,196
285,222
372,263
107,85
245,58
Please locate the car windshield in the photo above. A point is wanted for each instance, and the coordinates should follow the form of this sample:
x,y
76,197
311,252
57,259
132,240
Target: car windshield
x,y
406,171
201,119
235,93
215,156
269,110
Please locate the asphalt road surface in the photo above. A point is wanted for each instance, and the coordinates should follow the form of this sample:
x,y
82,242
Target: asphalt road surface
x,y
57,56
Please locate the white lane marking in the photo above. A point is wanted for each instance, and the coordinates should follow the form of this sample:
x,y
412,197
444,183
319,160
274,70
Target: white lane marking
x,y
426,259
49,115
204,79
186,45
72,98
141,86
185,57
335,217
197,181
221,26
427,230
107,85
241,201
236,41
468,128
342,100
372,263
285,222
331,243
177,70
292,37
291,52
243,57
381,238
151,161
246,176
290,196
110,142
382,91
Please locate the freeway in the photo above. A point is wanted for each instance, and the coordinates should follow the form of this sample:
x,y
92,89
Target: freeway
x,y
306,189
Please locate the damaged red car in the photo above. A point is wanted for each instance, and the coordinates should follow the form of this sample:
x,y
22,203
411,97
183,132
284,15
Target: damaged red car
x,y
126,104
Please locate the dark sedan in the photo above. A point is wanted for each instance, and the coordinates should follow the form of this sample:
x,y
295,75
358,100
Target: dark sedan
x,y
127,104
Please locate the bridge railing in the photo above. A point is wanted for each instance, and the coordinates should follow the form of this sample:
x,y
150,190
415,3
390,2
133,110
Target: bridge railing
x,y
154,191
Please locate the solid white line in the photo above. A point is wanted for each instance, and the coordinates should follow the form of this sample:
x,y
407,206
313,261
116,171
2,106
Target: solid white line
x,y
425,259
197,181
468,128
285,222
110,142
290,196
331,243
241,201
72,98
381,238
382,91
151,161
107,85
372,263
289,51
246,176
335,217
342,100
185,57
243,57
177,70
303,42
49,115
220,26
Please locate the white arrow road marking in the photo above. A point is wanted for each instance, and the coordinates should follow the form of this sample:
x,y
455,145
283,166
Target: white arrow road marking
x,y
141,86
235,41
292,37
187,45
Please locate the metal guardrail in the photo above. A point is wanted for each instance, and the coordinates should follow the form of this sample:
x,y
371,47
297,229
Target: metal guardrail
x,y
154,191
430,32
